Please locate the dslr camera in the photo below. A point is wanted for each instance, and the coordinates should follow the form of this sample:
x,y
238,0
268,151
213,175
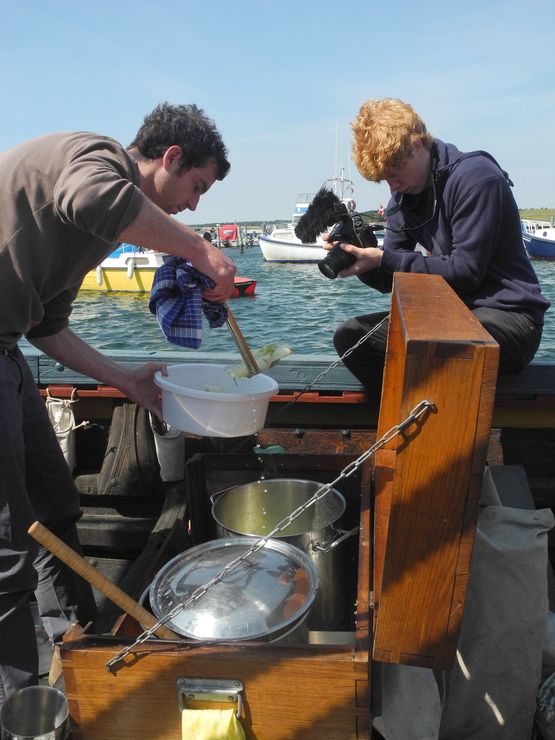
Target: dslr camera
x,y
325,211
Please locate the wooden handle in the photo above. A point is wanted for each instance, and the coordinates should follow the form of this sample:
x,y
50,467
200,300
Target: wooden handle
x,y
78,563
243,347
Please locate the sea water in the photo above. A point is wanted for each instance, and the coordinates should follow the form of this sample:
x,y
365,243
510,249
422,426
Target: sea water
x,y
294,305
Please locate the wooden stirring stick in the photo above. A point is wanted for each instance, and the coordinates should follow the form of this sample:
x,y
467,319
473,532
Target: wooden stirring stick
x,y
78,563
242,346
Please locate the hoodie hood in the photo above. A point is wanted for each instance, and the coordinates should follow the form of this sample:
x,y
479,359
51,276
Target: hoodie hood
x,y
445,157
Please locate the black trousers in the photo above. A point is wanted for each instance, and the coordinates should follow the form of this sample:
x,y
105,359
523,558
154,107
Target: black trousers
x,y
518,338
35,484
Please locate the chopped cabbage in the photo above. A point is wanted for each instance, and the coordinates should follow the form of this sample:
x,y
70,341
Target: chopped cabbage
x,y
265,357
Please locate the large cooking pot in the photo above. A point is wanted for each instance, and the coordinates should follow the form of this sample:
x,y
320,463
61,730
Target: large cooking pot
x,y
264,598
255,509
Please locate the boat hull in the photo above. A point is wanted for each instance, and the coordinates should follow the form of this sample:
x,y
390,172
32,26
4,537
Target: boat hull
x,y
283,685
127,270
411,538
118,280
539,239
540,247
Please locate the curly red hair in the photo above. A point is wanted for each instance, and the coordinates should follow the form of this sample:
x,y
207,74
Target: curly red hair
x,y
384,133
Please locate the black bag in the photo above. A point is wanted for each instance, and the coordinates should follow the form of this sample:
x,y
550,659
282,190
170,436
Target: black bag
x,y
130,466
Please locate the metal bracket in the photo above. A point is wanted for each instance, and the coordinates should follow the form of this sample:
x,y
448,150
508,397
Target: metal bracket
x,y
210,689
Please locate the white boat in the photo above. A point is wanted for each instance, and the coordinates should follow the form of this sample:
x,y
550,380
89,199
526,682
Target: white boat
x,y
539,239
282,245
275,249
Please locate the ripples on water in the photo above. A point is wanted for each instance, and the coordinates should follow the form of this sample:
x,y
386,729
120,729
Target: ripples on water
x,y
293,305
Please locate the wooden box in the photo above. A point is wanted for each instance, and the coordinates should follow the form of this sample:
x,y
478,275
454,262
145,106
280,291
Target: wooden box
x,y
301,691
428,479
436,351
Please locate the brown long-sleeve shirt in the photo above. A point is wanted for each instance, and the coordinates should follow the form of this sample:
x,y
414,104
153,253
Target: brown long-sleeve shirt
x,y
64,199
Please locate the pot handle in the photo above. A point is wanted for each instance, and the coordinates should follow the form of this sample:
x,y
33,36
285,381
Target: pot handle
x,y
215,496
340,535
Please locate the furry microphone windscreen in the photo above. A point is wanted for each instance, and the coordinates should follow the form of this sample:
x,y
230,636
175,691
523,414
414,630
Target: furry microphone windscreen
x,y
320,215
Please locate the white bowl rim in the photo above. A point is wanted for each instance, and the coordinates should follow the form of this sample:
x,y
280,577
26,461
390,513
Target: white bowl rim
x,y
165,384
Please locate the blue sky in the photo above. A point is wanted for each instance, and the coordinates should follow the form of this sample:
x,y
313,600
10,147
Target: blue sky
x,y
284,78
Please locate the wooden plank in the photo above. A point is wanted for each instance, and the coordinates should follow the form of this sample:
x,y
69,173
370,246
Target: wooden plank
x,y
525,399
308,693
293,373
535,380
429,479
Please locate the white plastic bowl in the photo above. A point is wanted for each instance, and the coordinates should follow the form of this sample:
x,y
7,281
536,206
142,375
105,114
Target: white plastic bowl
x,y
191,403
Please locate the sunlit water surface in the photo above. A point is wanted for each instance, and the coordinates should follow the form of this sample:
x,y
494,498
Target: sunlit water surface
x,y
294,305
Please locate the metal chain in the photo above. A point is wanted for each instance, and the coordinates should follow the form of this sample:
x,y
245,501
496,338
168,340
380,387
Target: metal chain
x,y
331,367
418,411
277,413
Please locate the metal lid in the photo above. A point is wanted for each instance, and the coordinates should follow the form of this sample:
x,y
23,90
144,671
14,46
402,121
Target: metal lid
x,y
271,590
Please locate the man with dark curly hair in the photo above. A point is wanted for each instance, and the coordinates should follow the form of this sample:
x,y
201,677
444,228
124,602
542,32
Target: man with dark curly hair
x,y
460,209
65,200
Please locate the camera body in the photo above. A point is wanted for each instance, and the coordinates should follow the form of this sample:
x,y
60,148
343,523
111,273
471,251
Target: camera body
x,y
326,210
350,229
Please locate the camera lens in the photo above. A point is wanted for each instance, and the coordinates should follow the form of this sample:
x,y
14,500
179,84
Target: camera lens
x,y
335,261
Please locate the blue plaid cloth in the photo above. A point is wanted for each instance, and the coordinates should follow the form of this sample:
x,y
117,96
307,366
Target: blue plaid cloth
x,y
176,301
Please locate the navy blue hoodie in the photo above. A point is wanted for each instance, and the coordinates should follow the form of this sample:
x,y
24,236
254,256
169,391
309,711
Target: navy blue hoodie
x,y
474,238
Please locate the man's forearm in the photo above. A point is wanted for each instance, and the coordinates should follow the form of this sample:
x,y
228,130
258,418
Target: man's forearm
x,y
136,383
154,229
71,351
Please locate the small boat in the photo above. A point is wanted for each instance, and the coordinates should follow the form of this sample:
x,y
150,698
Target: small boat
x,y
287,248
251,238
539,239
407,535
229,235
283,245
130,269
243,287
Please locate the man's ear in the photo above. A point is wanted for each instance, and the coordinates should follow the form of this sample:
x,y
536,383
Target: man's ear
x,y
171,159
418,146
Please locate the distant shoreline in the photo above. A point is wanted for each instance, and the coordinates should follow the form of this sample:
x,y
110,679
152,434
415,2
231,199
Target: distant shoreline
x,y
537,214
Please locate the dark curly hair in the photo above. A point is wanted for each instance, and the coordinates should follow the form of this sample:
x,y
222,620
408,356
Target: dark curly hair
x,y
189,128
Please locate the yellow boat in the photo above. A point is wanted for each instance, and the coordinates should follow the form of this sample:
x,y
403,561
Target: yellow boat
x,y
128,269
131,269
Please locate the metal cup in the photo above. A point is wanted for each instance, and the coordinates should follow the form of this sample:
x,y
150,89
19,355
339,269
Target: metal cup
x,y
35,713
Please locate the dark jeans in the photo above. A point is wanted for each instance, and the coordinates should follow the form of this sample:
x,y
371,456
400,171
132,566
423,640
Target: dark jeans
x,y
35,484
518,338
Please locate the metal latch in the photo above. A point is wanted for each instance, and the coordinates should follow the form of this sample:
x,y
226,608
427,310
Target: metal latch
x,y
210,689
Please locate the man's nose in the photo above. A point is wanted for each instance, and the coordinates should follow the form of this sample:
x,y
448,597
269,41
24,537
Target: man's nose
x,y
192,203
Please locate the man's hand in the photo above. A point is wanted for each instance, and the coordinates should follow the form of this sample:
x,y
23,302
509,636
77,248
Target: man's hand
x,y
142,388
368,258
212,262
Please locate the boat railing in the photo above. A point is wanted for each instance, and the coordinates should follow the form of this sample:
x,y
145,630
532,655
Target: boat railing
x,y
292,373
343,188
530,226
304,198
